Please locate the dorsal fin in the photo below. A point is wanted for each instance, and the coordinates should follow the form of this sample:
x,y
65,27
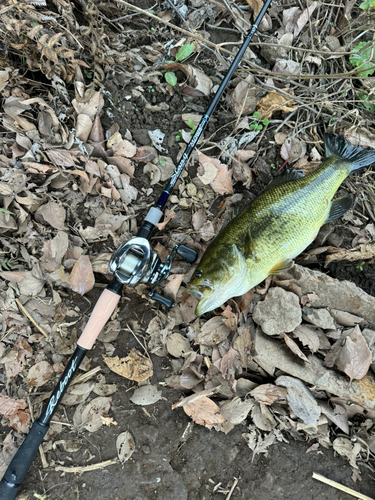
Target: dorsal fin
x,y
288,176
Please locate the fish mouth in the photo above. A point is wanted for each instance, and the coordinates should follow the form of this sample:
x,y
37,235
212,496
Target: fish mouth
x,y
201,291
207,296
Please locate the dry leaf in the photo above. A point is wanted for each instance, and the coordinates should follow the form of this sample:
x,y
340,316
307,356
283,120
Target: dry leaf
x,y
173,285
134,367
300,399
222,183
82,279
168,215
346,448
308,336
204,412
355,357
83,127
125,446
235,411
242,100
93,412
16,412
213,332
269,394
39,374
244,346
293,149
274,101
229,364
53,214
124,148
177,345
146,395
207,170
294,348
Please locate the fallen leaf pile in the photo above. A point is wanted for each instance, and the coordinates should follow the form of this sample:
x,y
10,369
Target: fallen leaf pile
x,y
85,156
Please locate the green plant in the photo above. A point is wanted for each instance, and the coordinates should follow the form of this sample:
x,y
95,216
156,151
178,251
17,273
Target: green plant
x,y
171,78
191,124
363,57
162,162
179,136
363,54
183,53
359,267
257,123
150,89
367,99
367,4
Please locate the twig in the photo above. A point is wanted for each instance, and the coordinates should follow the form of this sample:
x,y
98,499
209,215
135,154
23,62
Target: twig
x,y
263,71
340,487
88,468
31,318
86,376
232,488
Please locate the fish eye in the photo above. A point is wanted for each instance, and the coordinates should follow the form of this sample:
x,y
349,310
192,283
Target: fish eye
x,y
199,273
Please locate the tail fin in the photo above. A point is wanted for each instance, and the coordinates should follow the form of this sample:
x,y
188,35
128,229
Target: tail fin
x,y
357,157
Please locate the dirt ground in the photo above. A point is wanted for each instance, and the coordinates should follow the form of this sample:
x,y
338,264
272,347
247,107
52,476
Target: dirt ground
x,y
174,458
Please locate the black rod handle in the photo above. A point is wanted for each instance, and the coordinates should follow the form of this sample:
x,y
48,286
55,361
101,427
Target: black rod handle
x,y
21,462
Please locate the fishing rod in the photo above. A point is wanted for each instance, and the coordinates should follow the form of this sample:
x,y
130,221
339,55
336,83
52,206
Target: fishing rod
x,y
132,263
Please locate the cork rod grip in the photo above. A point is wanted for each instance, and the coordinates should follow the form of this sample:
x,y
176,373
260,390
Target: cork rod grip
x,y
100,315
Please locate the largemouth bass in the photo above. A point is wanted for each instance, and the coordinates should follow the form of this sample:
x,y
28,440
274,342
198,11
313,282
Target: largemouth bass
x,y
276,227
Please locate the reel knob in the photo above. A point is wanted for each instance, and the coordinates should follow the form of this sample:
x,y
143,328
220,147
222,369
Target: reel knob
x,y
187,253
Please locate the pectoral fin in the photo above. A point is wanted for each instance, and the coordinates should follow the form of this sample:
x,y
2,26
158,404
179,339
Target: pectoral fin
x,y
282,266
339,207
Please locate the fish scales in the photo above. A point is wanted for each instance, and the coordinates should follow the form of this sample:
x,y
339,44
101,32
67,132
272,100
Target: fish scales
x,y
276,227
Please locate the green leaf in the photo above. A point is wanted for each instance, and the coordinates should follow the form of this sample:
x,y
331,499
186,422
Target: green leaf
x,y
252,126
266,122
5,211
185,51
162,161
367,4
368,101
259,127
191,124
170,78
360,57
256,115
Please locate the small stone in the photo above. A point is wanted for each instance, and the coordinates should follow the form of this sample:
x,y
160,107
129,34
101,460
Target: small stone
x,y
174,199
279,313
200,194
191,190
146,450
273,54
319,317
185,203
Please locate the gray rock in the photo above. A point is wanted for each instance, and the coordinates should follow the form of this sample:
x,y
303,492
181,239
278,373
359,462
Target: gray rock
x,y
280,312
273,54
319,317
329,292
271,354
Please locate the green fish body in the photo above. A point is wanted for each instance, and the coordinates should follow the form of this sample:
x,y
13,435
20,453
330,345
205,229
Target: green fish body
x,y
276,227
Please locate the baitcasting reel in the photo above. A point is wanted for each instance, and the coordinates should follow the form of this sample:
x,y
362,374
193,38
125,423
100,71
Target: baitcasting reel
x,y
136,262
